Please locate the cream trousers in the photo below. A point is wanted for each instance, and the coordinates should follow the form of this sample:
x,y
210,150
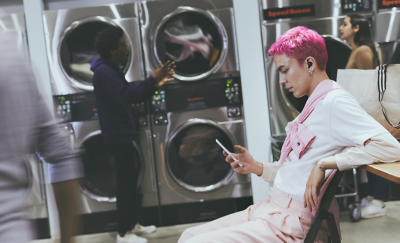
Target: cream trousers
x,y
276,219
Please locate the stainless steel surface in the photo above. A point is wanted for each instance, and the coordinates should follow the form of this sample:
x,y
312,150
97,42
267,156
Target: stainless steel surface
x,y
113,198
221,28
388,25
176,132
16,23
172,190
387,34
91,202
283,106
386,50
154,14
60,24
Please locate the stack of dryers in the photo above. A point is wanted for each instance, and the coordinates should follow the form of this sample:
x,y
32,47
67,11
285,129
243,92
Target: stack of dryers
x,y
325,17
388,38
203,104
70,37
388,31
14,25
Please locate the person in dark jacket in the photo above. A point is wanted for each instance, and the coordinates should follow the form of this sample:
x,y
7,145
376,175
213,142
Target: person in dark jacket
x,y
114,96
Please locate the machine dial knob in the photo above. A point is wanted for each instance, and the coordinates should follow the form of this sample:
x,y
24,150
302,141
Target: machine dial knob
x,y
234,111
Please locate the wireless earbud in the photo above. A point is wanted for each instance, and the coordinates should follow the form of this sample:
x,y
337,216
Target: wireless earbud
x,y
309,64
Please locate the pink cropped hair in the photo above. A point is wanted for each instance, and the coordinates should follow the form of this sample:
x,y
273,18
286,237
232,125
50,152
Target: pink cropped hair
x,y
300,42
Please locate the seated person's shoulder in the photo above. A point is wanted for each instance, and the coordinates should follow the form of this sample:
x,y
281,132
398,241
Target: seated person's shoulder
x,y
365,50
339,98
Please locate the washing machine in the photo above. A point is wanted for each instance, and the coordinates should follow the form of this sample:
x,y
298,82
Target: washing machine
x,y
388,31
388,41
195,182
325,17
36,205
198,35
70,36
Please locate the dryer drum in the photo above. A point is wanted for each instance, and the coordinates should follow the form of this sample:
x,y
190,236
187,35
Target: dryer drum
x,y
77,51
100,181
195,39
195,161
338,55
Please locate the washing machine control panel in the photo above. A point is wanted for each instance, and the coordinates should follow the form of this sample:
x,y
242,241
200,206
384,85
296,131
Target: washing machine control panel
x,y
351,6
76,107
158,102
209,93
233,92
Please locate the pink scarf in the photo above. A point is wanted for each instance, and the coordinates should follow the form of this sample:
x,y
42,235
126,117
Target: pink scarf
x,y
299,137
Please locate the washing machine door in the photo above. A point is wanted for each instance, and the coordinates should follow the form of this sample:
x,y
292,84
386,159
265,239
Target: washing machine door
x,y
76,50
338,55
194,159
195,39
100,181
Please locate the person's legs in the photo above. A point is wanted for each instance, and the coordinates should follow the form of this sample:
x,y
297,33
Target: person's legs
x,y
371,183
127,169
381,186
251,231
227,221
377,187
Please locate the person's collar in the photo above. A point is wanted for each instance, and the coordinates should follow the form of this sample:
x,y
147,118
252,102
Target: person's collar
x,y
110,63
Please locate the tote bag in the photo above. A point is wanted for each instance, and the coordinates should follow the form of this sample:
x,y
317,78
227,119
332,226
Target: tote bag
x,y
378,93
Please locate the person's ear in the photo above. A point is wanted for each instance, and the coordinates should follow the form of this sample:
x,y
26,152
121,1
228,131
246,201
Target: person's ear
x,y
310,64
356,29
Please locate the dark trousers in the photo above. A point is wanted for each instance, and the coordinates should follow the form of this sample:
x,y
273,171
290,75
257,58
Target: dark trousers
x,y
377,186
127,166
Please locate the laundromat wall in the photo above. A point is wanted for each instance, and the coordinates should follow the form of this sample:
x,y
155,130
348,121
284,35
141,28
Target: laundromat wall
x,y
248,31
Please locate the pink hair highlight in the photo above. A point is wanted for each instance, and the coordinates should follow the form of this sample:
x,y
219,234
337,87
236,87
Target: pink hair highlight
x,y
300,42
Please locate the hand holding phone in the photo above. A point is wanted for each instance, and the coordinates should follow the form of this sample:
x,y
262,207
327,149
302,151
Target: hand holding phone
x,y
227,151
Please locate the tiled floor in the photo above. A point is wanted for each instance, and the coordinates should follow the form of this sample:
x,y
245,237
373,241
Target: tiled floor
x,y
383,229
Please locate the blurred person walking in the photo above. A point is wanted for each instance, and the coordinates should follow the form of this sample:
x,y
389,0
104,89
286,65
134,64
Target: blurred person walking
x,y
114,96
27,126
356,31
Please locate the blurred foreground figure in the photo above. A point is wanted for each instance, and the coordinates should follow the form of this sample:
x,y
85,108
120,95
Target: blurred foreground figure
x,y
27,126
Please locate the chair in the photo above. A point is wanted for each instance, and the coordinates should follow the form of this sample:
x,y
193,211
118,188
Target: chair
x,y
323,214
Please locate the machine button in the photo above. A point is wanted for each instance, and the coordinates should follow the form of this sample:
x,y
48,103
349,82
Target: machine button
x,y
234,112
160,119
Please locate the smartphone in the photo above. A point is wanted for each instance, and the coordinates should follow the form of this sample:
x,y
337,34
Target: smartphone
x,y
227,151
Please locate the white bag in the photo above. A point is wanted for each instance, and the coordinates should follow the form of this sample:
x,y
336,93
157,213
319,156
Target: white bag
x,y
378,93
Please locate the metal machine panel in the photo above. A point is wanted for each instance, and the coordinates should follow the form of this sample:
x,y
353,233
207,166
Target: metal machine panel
x,y
70,37
388,26
155,16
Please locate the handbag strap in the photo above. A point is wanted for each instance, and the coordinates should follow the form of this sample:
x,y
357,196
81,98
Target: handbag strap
x,y
382,88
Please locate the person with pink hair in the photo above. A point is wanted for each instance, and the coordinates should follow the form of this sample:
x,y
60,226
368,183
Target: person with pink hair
x,y
332,132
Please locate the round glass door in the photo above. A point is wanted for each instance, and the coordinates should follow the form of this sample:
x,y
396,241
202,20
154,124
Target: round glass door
x,y
338,55
77,51
195,160
100,181
194,39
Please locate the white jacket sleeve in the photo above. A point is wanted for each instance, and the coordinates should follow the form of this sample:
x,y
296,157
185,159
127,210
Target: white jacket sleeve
x,y
380,148
269,171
